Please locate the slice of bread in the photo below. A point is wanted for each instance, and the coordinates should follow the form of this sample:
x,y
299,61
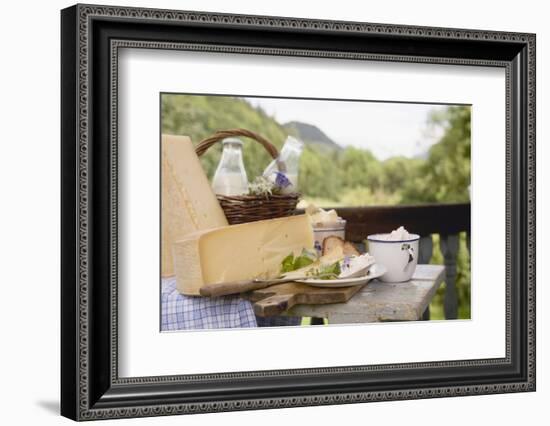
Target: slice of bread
x,y
330,243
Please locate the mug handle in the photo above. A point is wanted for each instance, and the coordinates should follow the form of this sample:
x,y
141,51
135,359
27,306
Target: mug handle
x,y
410,249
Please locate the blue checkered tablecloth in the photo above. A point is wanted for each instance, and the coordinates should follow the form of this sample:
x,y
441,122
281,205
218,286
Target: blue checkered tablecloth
x,y
180,312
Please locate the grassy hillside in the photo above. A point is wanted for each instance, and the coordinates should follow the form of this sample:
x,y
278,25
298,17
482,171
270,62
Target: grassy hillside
x,y
330,174
201,116
311,135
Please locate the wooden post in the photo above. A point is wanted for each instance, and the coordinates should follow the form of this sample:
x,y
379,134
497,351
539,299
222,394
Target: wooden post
x,y
449,248
425,252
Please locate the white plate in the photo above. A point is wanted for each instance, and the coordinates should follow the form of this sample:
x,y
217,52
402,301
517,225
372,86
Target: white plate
x,y
375,271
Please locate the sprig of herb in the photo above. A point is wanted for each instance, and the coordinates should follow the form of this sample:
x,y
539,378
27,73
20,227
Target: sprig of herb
x,y
262,186
326,272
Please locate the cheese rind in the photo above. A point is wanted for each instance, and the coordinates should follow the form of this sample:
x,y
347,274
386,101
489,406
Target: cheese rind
x,y
239,252
188,202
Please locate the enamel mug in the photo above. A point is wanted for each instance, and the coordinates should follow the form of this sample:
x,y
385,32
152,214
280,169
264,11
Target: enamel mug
x,y
325,230
399,257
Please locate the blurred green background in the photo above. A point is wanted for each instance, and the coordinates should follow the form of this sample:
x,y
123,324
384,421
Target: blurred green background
x,y
332,176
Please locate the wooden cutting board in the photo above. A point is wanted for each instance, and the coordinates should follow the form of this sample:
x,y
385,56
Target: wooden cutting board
x,y
278,298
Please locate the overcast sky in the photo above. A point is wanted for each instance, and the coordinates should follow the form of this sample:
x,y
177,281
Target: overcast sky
x,y
387,129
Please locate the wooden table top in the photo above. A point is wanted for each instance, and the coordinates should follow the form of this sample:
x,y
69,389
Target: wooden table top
x,y
379,301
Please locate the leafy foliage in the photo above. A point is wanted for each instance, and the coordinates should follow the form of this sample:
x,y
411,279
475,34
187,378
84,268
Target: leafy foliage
x,y
201,116
445,175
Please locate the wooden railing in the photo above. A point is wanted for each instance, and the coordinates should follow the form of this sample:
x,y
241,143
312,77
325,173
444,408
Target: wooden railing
x,y
447,220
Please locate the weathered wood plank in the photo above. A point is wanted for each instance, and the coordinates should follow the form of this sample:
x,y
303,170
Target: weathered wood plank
x,y
379,301
276,299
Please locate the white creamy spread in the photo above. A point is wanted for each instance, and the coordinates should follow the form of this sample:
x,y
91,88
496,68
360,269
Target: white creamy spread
x,y
398,234
318,215
352,266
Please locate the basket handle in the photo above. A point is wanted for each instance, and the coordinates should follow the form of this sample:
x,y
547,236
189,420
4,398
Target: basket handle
x,y
206,143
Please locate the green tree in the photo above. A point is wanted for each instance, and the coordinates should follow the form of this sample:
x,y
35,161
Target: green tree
x,y
201,116
360,169
319,175
398,171
364,196
445,176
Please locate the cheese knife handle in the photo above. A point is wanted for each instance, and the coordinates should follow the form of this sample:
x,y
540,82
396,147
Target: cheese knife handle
x,y
224,289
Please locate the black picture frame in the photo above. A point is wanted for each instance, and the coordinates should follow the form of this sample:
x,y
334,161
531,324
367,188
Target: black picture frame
x,y
90,386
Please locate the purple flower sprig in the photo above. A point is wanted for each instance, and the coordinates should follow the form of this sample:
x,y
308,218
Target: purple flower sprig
x,y
281,180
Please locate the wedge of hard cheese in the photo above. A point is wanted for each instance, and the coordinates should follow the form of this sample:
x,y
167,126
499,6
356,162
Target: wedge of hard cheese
x,y
239,252
188,202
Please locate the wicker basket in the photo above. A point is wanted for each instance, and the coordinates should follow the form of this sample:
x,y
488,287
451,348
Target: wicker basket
x,y
250,208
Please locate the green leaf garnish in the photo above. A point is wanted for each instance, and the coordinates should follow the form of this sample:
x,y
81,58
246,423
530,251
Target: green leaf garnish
x,y
332,269
326,272
305,259
291,263
287,264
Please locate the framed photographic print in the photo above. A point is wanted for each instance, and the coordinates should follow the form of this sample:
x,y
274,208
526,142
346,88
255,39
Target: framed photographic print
x,y
263,212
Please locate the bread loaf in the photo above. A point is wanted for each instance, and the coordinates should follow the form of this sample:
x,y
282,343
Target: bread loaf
x,y
331,242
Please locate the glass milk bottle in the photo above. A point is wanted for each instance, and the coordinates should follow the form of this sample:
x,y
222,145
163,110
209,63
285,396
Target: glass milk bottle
x,y
284,170
230,177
